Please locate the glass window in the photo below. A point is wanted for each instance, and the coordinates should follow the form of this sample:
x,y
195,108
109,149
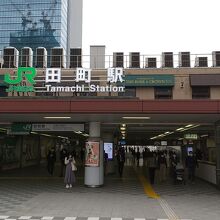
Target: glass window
x,y
33,23
163,92
200,92
129,92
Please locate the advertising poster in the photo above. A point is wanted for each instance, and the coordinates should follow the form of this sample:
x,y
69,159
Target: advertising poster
x,y
108,148
92,154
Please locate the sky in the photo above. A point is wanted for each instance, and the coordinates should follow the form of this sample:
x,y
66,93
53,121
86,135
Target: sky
x,y
152,26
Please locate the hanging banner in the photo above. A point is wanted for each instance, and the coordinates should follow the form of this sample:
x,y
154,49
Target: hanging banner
x,y
92,154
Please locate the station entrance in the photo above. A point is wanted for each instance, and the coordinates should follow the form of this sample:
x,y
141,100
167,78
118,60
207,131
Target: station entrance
x,y
180,133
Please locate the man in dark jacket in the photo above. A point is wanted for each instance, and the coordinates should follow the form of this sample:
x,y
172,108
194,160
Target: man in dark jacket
x,y
121,160
51,159
63,154
191,164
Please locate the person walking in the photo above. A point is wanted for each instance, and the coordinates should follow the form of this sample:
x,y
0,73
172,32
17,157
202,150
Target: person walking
x,y
138,155
191,164
105,163
63,154
70,178
173,162
121,160
162,166
152,165
51,159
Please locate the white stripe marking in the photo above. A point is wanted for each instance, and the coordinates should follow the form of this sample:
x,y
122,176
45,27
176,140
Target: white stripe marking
x,y
25,217
70,218
168,219
93,218
116,218
47,218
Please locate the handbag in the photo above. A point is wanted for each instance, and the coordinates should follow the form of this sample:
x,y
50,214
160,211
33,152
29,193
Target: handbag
x,y
74,168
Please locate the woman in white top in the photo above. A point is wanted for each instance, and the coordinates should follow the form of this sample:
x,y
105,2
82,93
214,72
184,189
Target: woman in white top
x,y
70,178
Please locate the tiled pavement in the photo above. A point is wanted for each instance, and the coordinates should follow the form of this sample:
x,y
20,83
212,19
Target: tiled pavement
x,y
119,199
69,218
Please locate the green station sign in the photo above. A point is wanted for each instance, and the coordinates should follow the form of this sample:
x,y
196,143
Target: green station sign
x,y
15,84
20,128
2,83
148,80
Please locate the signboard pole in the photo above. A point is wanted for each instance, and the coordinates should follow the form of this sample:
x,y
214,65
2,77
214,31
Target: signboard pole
x,y
94,173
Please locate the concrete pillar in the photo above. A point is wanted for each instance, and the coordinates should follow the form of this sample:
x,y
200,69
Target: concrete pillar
x,y
109,138
217,140
94,173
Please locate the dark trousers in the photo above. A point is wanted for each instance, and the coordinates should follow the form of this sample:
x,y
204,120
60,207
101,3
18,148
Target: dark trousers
x,y
50,167
152,174
191,173
62,166
120,168
138,161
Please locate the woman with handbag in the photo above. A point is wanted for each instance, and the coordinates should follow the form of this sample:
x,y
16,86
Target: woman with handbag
x,y
70,178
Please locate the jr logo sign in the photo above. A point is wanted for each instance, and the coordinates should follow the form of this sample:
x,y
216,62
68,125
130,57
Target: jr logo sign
x,y
15,84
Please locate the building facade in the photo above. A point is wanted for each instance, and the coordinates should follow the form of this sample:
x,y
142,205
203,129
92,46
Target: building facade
x,y
160,103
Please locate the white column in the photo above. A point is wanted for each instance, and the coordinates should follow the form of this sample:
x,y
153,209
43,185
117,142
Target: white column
x,y
94,176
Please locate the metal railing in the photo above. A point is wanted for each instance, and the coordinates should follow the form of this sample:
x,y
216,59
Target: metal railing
x,y
106,61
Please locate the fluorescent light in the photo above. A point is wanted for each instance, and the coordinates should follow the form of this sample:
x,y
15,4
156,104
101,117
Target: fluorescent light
x,y
3,129
167,132
78,132
123,125
122,128
179,129
57,117
187,126
204,135
34,132
47,135
62,137
161,135
131,117
86,135
190,128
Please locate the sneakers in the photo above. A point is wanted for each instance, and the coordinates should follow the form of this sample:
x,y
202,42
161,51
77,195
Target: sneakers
x,y
68,186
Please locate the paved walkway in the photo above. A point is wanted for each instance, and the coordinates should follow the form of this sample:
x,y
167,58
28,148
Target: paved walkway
x,y
44,197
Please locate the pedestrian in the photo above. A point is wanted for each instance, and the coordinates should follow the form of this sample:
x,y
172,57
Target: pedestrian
x,y
191,164
63,154
105,163
173,162
138,155
162,162
70,178
152,165
51,159
121,160
82,154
